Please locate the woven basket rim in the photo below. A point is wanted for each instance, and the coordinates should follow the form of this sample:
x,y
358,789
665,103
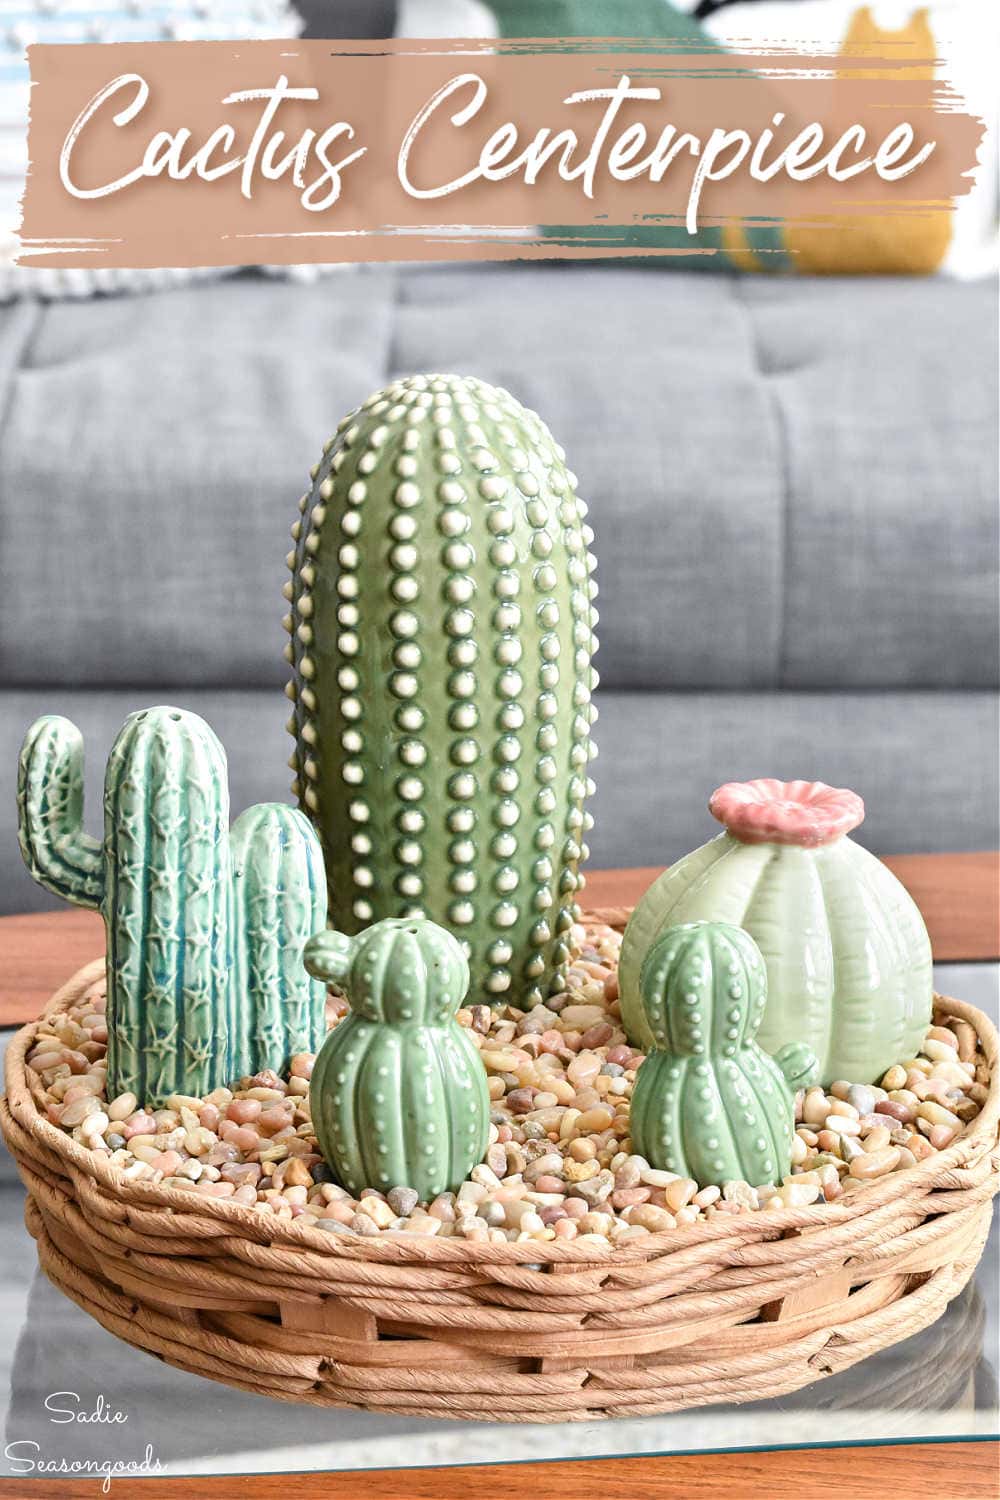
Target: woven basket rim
x,y
18,1109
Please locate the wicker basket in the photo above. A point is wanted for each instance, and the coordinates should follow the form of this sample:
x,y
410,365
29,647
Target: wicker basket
x,y
733,1309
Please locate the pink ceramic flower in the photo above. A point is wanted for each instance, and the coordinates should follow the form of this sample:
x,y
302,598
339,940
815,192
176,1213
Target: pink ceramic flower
x,y
767,811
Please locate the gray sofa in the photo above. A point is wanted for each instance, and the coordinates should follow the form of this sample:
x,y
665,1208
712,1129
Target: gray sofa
x,y
792,482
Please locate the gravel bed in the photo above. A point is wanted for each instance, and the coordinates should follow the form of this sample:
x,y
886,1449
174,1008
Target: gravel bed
x,y
559,1162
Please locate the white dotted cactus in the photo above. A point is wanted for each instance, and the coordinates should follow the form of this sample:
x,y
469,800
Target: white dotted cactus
x,y
441,629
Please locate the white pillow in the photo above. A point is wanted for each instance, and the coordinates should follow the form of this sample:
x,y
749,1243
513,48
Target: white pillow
x,y
23,22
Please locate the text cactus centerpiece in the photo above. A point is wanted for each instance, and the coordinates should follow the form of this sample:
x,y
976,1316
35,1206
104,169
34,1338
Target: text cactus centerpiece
x,y
441,628
398,1093
708,1102
205,929
847,953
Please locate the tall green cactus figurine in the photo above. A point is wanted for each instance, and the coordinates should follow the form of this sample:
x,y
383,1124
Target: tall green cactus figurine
x,y
708,1102
398,1092
280,901
194,997
441,629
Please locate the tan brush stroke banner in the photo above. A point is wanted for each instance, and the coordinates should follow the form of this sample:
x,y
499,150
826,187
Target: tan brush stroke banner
x,y
193,153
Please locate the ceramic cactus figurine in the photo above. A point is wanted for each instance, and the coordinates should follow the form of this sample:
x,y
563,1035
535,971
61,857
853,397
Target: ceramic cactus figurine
x,y
847,954
708,1102
398,1092
204,968
280,900
441,627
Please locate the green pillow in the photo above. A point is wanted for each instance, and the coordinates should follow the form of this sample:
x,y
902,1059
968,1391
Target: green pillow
x,y
652,20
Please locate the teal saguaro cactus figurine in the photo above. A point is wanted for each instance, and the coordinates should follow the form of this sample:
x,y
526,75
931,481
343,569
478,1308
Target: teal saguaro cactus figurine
x,y
708,1102
280,899
441,629
203,965
398,1091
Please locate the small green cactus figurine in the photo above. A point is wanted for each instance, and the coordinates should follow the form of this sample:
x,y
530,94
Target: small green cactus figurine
x,y
398,1092
205,929
441,626
708,1102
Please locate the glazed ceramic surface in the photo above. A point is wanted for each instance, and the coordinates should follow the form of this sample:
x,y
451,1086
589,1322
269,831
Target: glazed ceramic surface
x,y
205,930
398,1092
441,627
708,1102
847,953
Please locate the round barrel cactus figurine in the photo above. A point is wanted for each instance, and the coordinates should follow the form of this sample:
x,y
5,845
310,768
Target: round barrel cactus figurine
x,y
708,1102
847,953
441,625
398,1092
205,929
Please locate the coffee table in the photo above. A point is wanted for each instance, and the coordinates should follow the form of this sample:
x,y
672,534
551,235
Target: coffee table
x,y
960,899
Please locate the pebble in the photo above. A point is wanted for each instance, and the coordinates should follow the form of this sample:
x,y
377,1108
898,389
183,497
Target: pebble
x,y
559,1162
861,1098
875,1163
402,1200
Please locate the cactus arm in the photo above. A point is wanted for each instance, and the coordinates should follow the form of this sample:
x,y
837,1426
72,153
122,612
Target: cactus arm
x,y
327,956
798,1064
57,852
280,899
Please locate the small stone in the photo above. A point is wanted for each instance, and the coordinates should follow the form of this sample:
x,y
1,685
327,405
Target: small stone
x,y
496,1160
402,1200
579,1017
596,1189
596,1036
381,1214
332,1226
244,1111
798,1194
874,1163
936,1114
519,1101
861,1098
815,1107
679,1193
581,1171
654,1219
121,1107
895,1110
297,1174
364,1224
652,1177
877,1139
595,1223
77,1110
740,1193
628,1197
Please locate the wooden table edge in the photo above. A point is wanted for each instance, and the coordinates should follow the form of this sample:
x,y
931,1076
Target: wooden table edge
x,y
960,1469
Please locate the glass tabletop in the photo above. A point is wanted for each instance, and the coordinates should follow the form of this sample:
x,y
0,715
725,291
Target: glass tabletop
x,y
73,1393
